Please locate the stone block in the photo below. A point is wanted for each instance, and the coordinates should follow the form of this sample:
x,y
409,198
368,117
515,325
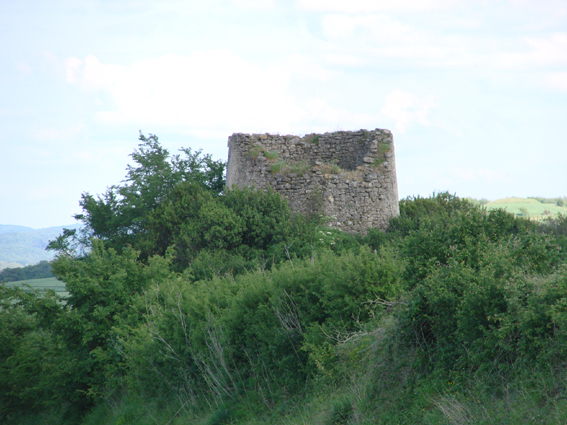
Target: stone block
x,y
354,200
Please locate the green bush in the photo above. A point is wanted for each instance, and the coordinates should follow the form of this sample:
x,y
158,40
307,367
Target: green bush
x,y
246,228
236,310
464,235
471,318
119,217
413,210
101,287
229,335
271,155
341,412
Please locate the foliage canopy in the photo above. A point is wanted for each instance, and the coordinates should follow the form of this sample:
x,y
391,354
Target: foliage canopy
x,y
119,217
221,306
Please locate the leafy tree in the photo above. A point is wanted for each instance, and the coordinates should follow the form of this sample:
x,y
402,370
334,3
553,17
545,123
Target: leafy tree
x,y
119,217
558,228
465,235
413,210
238,227
267,301
35,368
16,327
101,288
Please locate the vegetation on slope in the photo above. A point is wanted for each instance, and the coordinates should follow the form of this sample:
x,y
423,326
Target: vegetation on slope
x,y
217,307
37,271
49,283
534,208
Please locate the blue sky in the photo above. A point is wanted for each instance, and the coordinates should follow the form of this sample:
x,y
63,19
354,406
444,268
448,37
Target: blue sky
x,y
475,92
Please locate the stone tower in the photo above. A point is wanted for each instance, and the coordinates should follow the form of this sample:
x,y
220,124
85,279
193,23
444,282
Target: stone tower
x,y
349,176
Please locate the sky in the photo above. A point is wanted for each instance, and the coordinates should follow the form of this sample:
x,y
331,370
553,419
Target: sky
x,y
474,91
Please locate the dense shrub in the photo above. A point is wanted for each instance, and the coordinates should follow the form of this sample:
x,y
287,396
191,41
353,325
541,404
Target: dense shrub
x,y
219,334
119,217
188,297
465,235
413,210
481,290
239,231
73,346
558,228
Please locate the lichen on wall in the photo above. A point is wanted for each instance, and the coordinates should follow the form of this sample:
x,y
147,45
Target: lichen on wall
x,y
349,176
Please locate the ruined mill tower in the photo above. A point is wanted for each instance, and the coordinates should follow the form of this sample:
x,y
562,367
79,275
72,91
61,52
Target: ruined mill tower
x,y
349,176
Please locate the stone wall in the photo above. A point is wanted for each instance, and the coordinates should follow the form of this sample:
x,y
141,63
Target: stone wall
x,y
349,176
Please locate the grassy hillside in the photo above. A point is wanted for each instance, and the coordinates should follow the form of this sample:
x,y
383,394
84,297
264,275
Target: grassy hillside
x,y
47,283
196,305
455,315
534,208
41,285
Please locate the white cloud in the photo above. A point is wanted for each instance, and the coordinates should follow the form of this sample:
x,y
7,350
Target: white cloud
x,y
50,65
345,60
304,67
91,75
470,174
72,70
406,108
379,40
557,80
255,4
359,6
57,134
23,67
319,110
381,27
206,92
538,52
44,192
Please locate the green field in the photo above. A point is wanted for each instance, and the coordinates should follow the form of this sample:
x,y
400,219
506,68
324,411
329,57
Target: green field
x,y
42,285
535,209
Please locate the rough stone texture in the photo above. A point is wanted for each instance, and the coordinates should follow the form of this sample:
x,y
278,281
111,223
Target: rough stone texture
x,y
349,176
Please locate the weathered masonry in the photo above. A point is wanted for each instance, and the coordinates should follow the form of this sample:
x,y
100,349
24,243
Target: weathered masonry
x,y
349,176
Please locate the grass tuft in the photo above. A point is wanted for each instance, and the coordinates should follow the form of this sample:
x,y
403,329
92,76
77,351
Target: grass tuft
x,y
278,166
285,167
271,155
255,151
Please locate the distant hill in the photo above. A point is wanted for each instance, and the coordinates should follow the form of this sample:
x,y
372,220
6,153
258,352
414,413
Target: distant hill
x,y
24,245
8,265
8,228
528,207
